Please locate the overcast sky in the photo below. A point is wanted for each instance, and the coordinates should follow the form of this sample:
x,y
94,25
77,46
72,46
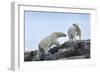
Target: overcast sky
x,y
41,24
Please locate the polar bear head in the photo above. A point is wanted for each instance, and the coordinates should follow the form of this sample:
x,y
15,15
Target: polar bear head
x,y
77,27
59,34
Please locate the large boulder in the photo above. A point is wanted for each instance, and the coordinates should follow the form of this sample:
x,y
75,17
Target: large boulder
x,y
78,49
70,49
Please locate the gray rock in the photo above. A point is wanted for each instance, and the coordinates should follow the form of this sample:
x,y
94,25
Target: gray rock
x,y
48,56
79,49
29,55
76,49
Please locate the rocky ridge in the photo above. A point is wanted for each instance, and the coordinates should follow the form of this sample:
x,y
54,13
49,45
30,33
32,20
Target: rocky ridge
x,y
79,49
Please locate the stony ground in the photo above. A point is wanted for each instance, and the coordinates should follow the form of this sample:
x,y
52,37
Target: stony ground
x,y
68,50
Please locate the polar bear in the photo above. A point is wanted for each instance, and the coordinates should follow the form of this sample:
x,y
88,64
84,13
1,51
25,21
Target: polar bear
x,y
73,32
46,43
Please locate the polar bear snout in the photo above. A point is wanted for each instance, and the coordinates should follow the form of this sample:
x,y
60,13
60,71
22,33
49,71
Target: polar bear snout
x,y
65,35
60,34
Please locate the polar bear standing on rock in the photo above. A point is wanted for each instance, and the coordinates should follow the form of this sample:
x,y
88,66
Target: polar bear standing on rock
x,y
73,32
48,42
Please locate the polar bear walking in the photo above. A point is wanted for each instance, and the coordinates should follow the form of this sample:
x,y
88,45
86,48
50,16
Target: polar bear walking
x,y
46,43
73,32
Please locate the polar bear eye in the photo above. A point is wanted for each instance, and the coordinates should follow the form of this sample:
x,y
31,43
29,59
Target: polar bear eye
x,y
74,24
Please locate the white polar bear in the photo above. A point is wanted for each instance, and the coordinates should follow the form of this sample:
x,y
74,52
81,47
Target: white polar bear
x,y
48,42
73,32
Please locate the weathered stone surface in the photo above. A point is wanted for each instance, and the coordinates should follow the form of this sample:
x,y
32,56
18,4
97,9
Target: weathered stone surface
x,y
30,55
68,50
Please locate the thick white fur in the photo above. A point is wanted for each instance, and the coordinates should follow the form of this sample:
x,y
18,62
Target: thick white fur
x,y
73,32
48,41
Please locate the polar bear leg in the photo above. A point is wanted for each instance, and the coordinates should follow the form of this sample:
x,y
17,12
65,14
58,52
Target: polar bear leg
x,y
70,39
79,37
37,56
56,43
74,38
40,54
46,50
